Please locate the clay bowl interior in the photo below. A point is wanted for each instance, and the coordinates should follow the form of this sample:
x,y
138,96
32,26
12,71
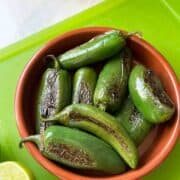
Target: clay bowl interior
x,y
156,146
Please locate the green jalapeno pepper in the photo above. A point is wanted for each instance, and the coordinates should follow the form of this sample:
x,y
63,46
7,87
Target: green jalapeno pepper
x,y
78,149
54,92
84,85
149,96
100,123
112,82
133,121
97,49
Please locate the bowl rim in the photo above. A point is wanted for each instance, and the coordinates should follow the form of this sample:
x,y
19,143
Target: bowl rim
x,y
63,173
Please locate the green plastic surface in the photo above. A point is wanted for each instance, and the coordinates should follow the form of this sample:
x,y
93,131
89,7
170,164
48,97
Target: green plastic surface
x,y
158,20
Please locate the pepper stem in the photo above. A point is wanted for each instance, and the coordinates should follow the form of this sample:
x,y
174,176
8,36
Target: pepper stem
x,y
129,34
33,138
55,63
49,119
61,117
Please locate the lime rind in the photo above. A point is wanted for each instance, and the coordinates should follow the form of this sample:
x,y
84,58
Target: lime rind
x,y
11,170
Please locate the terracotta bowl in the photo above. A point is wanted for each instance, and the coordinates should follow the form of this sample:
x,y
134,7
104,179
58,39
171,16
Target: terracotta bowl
x,y
156,146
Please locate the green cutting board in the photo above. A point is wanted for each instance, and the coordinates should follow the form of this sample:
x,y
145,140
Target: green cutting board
x,y
158,20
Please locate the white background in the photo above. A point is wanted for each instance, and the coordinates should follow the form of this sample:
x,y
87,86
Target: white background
x,y
20,18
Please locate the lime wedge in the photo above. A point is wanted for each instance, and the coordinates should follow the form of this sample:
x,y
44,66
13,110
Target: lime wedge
x,y
10,170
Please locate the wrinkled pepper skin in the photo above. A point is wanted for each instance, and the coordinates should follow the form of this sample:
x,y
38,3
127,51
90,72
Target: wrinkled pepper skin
x,y
95,50
54,93
83,85
78,149
149,96
133,121
101,124
112,82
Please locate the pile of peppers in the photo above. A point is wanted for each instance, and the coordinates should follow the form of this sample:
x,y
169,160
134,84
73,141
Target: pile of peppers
x,y
95,107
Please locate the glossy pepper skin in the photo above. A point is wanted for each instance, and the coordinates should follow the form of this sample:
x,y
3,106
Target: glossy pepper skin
x,y
133,121
54,93
83,85
101,124
112,82
78,149
97,49
149,96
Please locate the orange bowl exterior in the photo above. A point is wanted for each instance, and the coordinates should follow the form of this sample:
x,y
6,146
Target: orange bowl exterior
x,y
164,135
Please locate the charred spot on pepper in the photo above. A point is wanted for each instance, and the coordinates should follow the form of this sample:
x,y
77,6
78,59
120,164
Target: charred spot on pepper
x,y
84,94
74,116
49,102
126,56
150,79
70,153
51,79
115,92
134,115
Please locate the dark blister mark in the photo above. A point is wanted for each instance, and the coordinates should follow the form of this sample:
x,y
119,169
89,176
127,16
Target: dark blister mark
x,y
150,78
115,92
69,153
74,116
48,104
126,56
126,59
134,115
84,94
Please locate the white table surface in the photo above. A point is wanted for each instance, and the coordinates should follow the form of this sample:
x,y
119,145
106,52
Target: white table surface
x,y
20,18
